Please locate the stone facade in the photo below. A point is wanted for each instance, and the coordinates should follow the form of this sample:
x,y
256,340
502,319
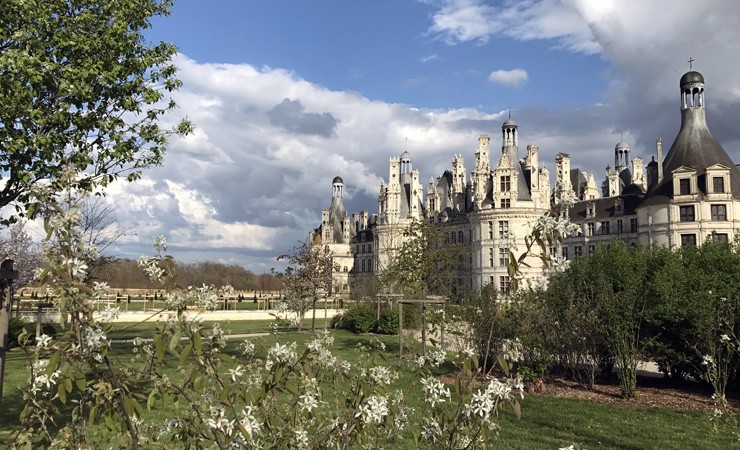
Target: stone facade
x,y
691,196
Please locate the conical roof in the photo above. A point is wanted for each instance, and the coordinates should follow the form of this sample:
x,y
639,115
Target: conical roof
x,y
694,147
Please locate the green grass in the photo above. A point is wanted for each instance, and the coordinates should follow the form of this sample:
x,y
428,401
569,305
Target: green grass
x,y
547,422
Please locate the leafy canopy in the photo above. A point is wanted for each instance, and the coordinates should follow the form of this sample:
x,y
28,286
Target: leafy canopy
x,y
80,88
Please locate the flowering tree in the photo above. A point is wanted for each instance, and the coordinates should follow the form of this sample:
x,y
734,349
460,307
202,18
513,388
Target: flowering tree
x,y
425,262
309,273
20,247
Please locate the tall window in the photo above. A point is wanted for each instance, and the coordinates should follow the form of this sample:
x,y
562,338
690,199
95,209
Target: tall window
x,y
719,212
688,239
719,237
460,237
490,257
605,227
505,203
490,230
505,183
565,253
363,265
633,225
590,229
503,228
718,185
577,250
686,213
620,226
591,249
503,257
684,186
503,284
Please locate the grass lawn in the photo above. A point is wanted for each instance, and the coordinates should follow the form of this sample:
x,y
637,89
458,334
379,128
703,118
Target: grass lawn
x,y
547,422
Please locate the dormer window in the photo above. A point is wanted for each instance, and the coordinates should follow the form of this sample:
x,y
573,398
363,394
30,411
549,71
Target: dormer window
x,y
590,210
718,180
505,183
684,186
685,183
718,185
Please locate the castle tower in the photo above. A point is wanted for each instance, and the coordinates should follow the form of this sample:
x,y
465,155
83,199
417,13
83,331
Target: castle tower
x,y
621,156
562,172
458,175
481,176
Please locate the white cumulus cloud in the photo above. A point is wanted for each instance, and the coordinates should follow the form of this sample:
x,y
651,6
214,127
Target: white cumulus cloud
x,y
513,77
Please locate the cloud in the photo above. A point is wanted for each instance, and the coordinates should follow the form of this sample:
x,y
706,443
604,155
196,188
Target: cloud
x,y
457,21
428,58
514,77
290,115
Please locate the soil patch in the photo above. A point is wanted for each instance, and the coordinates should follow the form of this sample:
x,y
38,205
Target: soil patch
x,y
651,393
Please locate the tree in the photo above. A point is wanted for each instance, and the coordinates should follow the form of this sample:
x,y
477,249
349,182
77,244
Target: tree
x,y
426,263
80,88
308,274
99,223
21,248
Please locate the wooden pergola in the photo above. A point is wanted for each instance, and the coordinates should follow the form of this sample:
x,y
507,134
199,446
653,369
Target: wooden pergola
x,y
429,300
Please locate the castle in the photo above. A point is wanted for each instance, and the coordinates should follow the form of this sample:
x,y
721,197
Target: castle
x,y
691,195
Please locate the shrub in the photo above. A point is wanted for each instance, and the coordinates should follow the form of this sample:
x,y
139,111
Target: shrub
x,y
388,323
360,318
338,322
16,325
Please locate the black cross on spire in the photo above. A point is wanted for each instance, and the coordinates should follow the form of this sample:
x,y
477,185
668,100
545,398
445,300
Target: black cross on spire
x,y
690,61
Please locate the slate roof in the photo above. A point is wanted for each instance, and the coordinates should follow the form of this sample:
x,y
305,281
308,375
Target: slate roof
x,y
694,147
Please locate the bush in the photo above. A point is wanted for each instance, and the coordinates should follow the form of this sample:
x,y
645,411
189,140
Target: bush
x,y
360,318
338,322
388,323
16,325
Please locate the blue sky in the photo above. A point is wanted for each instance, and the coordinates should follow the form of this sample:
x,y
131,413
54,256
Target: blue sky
x,y
286,95
382,50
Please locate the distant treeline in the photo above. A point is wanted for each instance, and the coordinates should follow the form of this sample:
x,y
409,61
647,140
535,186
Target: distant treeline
x,y
125,273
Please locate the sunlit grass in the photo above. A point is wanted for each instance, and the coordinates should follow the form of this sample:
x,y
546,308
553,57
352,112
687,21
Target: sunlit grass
x,y
547,422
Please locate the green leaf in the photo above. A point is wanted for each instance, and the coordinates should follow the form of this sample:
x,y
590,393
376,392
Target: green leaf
x,y
175,340
198,342
504,365
185,352
68,384
159,347
62,393
91,414
151,399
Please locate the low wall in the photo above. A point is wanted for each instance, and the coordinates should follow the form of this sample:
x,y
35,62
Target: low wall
x,y
209,316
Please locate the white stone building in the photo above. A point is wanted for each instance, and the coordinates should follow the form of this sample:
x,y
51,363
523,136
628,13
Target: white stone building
x,y
690,196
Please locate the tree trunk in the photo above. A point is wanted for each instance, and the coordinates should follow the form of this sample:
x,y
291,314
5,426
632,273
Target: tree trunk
x,y
4,322
313,315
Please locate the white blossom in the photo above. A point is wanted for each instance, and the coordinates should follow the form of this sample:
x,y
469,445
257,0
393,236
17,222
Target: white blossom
x,y
382,375
43,341
307,402
249,422
236,373
374,410
436,357
281,354
435,391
